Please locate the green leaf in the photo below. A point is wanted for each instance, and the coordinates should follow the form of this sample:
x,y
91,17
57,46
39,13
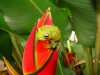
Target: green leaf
x,y
78,50
5,45
19,15
10,68
83,19
17,50
2,22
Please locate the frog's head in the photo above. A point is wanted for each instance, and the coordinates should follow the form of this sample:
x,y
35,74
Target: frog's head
x,y
48,32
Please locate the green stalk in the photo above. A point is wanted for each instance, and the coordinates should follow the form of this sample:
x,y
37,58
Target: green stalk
x,y
13,39
88,60
18,50
59,65
16,58
91,61
36,6
69,45
97,45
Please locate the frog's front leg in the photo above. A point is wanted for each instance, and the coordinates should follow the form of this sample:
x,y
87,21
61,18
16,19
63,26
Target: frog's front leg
x,y
52,45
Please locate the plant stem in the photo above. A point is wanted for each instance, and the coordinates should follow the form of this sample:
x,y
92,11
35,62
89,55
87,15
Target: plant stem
x,y
69,45
91,60
36,6
88,60
18,50
59,65
97,45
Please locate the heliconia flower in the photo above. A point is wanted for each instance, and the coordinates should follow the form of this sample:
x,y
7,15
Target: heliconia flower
x,y
70,56
37,59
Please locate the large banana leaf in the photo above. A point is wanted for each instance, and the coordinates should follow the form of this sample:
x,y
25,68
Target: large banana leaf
x,y
20,15
2,22
83,19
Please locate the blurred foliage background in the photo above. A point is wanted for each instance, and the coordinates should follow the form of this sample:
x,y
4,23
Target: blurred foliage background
x,y
17,18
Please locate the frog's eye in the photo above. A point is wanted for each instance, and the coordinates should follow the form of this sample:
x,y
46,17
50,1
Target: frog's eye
x,y
46,36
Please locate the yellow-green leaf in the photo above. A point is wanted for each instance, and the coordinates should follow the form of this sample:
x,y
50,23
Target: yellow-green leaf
x,y
10,68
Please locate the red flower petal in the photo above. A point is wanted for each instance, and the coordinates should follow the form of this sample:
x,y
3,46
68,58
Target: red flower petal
x,y
28,59
42,20
49,19
70,58
43,54
46,19
50,67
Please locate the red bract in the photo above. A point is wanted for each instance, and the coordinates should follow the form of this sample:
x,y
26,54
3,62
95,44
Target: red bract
x,y
50,67
70,58
43,54
46,19
28,59
37,58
